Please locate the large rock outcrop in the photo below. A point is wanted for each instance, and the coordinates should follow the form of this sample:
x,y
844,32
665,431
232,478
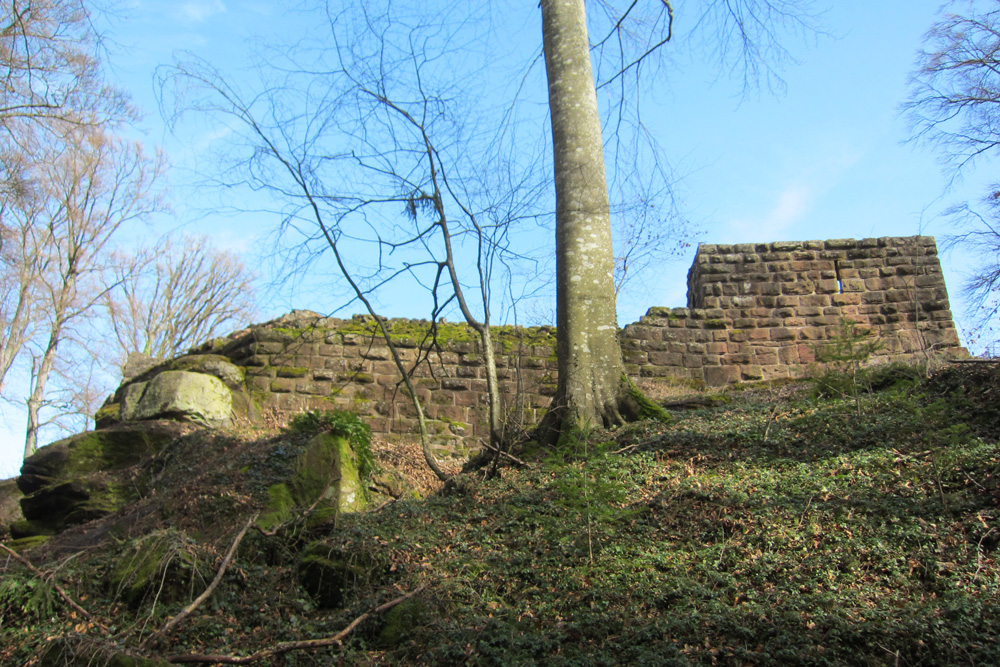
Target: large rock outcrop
x,y
194,397
71,481
10,505
203,389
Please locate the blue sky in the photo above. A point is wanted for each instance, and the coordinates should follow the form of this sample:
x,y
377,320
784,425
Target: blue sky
x,y
824,159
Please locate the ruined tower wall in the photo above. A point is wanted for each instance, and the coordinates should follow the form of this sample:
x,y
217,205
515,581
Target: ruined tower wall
x,y
761,311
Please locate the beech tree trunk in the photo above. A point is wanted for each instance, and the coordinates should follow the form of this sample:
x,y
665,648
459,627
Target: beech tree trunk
x,y
592,389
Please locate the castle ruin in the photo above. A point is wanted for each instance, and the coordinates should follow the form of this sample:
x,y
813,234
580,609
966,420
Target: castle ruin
x,y
755,312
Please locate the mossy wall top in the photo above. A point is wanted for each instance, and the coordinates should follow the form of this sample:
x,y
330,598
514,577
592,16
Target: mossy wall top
x,y
755,311
304,361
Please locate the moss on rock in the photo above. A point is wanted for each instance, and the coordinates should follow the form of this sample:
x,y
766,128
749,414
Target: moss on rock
x,y
644,407
162,563
400,622
68,482
108,415
331,576
10,505
326,478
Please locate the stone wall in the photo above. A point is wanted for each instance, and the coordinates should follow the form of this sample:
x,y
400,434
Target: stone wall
x,y
308,362
761,311
756,311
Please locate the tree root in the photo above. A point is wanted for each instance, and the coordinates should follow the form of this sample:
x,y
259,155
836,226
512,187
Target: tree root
x,y
563,424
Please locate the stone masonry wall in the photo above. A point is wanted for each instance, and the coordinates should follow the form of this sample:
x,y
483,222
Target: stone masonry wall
x,y
761,311
308,362
756,311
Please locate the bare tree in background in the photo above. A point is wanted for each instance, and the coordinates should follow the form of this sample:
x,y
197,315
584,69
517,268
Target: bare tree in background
x,y
372,157
50,80
954,106
89,187
20,266
50,68
176,295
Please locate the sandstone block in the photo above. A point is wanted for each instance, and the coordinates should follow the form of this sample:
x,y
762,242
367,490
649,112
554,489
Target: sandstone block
x,y
721,375
783,333
194,397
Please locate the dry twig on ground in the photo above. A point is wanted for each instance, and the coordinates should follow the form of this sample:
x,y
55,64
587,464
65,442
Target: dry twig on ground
x,y
285,647
169,625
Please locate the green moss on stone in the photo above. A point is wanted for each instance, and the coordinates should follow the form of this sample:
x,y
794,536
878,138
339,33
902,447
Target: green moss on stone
x,y
401,621
292,332
407,333
647,409
280,505
26,529
24,543
108,414
326,477
161,563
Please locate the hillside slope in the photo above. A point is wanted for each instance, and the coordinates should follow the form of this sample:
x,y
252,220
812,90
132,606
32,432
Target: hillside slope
x,y
765,525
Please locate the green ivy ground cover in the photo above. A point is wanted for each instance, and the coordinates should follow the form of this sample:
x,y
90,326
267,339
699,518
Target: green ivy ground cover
x,y
782,527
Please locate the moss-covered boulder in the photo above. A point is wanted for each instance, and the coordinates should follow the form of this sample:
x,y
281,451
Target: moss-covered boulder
x,y
400,622
206,389
332,577
163,564
182,395
386,485
10,505
71,481
326,479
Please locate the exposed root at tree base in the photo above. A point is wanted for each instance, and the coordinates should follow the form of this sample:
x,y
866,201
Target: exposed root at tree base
x,y
566,423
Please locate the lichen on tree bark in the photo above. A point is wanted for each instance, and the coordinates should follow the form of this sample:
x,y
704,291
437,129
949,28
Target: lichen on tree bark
x,y
593,388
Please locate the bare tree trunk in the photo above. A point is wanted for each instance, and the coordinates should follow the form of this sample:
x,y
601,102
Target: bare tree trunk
x,y
39,377
592,385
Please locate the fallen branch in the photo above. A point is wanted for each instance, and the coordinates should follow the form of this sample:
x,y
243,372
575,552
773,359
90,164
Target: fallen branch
x,y
169,625
975,360
644,443
503,453
41,575
285,647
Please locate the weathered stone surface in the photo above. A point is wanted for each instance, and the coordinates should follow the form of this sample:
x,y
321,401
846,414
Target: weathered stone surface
x,y
194,397
326,478
137,363
10,505
65,483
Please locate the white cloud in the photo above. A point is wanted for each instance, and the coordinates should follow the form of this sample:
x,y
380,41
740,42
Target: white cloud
x,y
197,12
791,206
